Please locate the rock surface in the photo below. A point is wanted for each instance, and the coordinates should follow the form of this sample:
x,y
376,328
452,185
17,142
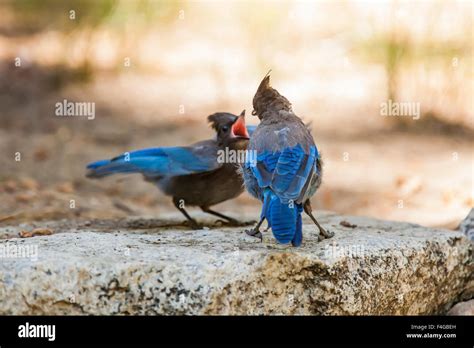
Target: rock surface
x,y
463,308
132,267
467,225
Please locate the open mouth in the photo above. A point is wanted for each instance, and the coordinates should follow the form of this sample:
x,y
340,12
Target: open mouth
x,y
238,128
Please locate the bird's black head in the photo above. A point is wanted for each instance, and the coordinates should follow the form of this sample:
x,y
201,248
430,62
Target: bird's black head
x,y
230,128
268,99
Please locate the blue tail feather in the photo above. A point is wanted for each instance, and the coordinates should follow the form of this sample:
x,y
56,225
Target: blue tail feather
x,y
107,167
155,162
283,218
97,164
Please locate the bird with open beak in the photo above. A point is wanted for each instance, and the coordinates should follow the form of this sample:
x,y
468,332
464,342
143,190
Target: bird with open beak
x,y
191,175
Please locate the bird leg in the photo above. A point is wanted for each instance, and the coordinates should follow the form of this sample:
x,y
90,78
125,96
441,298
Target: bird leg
x,y
231,221
323,233
222,216
192,223
255,232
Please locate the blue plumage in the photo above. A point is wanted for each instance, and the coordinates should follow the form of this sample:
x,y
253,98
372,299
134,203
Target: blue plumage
x,y
282,176
288,167
164,161
193,175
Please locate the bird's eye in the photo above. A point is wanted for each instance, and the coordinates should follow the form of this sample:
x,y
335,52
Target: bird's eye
x,y
225,128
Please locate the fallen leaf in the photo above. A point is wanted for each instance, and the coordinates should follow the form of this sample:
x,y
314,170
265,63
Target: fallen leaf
x,y
10,186
25,197
66,187
40,231
25,234
28,184
347,224
41,154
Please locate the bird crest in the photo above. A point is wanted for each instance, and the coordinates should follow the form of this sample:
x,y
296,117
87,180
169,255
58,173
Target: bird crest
x,y
268,99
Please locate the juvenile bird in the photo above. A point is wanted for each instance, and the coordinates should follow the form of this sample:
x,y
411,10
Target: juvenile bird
x,y
287,170
192,175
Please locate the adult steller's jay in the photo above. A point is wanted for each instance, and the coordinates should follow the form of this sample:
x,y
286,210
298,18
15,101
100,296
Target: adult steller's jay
x,y
192,175
288,168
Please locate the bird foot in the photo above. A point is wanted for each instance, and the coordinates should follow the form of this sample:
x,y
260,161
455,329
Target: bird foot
x,y
323,234
221,222
255,233
194,225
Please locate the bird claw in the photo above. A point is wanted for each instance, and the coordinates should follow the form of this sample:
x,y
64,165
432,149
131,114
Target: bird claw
x,y
323,234
255,233
222,222
194,225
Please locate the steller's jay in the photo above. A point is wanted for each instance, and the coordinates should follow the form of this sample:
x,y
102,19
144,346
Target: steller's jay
x,y
192,175
287,170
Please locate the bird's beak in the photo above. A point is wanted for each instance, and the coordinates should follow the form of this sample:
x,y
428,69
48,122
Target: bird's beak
x,y
238,128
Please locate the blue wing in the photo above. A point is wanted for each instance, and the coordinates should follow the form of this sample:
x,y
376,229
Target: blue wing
x,y
279,179
285,172
164,161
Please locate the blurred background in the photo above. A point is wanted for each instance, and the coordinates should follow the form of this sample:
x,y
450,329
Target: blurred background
x,y
156,69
